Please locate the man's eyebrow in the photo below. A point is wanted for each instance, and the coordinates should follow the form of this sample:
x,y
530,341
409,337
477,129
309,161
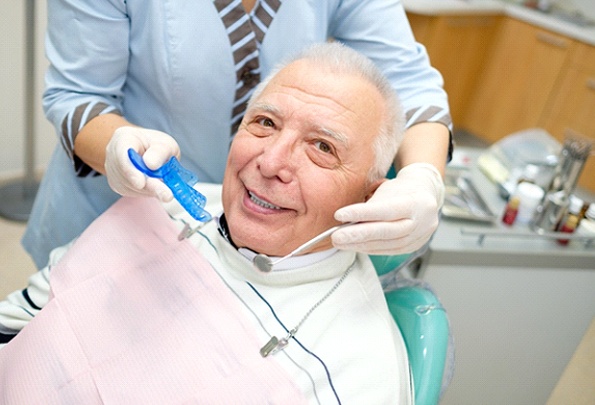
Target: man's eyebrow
x,y
338,136
265,107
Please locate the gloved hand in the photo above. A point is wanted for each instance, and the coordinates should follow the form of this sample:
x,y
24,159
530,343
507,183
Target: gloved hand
x,y
155,147
399,218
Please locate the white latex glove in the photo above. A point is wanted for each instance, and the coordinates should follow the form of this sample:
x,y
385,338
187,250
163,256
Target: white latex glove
x,y
155,147
399,218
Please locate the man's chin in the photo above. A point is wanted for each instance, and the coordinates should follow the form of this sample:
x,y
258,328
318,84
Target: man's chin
x,y
257,238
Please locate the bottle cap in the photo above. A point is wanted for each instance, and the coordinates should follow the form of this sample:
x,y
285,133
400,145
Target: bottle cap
x,y
514,202
572,221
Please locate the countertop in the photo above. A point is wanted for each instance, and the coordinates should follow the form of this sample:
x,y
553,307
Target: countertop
x,y
460,242
457,7
550,22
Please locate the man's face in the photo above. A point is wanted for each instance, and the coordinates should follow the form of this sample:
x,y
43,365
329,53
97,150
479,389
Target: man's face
x,y
303,151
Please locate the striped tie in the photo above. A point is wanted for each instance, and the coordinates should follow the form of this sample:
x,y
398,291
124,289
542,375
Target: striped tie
x,y
245,32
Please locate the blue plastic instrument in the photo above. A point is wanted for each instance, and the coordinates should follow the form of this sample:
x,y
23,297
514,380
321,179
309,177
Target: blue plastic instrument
x,y
180,182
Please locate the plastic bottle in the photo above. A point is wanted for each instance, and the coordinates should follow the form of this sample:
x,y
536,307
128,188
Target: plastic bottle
x,y
574,208
568,227
511,210
530,195
576,205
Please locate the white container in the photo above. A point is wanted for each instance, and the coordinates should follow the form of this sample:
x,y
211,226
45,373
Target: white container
x,y
530,196
586,228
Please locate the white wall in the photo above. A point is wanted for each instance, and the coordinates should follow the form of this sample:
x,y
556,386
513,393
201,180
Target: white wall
x,y
584,6
12,89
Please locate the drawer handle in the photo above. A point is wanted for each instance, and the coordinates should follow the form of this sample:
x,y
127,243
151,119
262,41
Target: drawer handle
x,y
591,84
551,40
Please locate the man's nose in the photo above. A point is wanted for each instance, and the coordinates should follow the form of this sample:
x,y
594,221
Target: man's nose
x,y
278,158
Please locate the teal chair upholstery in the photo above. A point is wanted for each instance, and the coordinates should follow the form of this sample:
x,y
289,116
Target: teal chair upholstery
x,y
424,325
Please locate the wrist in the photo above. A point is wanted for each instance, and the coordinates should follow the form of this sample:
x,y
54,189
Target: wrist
x,y
431,173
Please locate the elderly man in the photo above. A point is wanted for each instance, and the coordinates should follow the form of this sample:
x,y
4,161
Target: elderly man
x,y
138,316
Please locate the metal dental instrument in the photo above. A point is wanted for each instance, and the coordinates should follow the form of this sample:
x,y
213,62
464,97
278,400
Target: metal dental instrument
x,y
265,264
180,182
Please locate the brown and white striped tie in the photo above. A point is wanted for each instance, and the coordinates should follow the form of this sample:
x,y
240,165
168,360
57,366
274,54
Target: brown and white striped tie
x,y
245,32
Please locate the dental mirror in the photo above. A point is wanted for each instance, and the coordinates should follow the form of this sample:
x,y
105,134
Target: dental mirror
x,y
265,264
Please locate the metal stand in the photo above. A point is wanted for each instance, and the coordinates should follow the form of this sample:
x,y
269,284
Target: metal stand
x,y
16,198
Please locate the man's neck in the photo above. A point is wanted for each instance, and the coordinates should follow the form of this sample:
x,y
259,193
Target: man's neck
x,y
294,262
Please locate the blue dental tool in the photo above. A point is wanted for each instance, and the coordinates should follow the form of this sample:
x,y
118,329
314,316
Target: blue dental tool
x,y
180,182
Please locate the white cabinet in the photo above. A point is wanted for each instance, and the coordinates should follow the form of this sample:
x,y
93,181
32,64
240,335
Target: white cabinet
x,y
514,329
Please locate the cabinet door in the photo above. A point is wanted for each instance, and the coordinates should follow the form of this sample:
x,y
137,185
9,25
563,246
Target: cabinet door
x,y
458,49
457,46
421,25
573,108
514,88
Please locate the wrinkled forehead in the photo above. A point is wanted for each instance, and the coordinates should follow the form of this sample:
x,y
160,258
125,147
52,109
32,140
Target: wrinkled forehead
x,y
354,99
311,78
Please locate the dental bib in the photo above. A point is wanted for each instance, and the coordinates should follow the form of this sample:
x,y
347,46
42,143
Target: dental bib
x,y
137,316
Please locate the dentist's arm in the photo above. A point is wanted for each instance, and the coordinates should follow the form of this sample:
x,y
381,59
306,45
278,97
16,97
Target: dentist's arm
x,y
103,144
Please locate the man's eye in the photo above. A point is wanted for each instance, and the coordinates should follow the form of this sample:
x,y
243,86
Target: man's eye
x,y
323,146
261,125
266,122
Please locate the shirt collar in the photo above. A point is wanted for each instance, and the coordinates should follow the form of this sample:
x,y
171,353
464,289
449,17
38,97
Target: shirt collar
x,y
287,264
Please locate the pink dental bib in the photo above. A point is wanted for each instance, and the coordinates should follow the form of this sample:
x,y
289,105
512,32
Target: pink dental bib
x,y
138,317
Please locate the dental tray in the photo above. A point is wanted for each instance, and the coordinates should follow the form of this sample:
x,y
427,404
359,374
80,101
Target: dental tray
x,y
180,182
462,201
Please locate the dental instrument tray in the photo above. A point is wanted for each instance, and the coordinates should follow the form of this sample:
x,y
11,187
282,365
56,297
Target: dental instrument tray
x,y
180,181
463,201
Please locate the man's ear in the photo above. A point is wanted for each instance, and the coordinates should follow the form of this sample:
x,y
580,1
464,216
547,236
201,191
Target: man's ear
x,y
373,187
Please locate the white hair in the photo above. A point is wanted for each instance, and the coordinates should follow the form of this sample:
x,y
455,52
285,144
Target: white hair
x,y
340,59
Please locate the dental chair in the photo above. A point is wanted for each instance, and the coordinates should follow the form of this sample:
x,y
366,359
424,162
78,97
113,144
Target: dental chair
x,y
424,325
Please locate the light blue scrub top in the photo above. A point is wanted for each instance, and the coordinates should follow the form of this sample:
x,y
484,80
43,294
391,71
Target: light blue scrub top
x,y
167,65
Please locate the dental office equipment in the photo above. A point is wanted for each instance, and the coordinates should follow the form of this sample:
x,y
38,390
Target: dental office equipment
x,y
265,264
180,182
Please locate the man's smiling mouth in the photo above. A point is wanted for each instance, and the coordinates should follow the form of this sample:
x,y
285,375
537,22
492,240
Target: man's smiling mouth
x,y
262,203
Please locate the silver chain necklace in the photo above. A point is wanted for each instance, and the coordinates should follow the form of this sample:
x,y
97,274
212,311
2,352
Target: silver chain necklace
x,y
275,344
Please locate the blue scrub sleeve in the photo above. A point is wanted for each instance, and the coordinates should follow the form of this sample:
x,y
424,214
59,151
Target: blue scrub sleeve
x,y
380,30
88,50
